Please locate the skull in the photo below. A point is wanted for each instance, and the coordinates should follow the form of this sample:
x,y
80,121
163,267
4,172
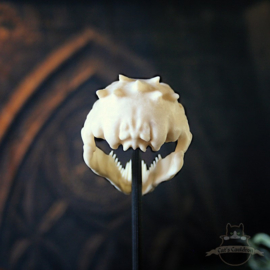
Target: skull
x,y
136,113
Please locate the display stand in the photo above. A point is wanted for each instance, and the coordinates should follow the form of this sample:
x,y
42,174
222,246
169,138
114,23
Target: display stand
x,y
136,210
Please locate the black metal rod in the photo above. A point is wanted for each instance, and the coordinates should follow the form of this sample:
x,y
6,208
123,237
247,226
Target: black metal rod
x,y
136,210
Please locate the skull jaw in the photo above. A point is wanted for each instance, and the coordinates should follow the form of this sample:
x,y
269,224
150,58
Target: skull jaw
x,y
164,170
161,170
105,166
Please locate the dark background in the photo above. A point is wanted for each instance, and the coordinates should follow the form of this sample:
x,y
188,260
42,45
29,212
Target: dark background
x,y
54,212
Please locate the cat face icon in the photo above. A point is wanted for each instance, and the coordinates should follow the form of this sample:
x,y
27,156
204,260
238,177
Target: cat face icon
x,y
235,233
234,240
234,249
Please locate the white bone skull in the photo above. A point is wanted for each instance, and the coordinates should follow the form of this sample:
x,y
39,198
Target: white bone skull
x,y
136,113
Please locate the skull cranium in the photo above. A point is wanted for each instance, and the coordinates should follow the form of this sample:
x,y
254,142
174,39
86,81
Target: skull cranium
x,y
136,113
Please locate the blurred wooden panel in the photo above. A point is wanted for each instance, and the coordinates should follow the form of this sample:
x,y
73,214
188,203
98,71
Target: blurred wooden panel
x,y
43,176
56,214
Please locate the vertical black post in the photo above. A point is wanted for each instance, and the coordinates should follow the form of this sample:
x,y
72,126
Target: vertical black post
x,y
136,210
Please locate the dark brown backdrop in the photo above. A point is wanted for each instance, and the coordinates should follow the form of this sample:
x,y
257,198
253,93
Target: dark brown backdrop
x,y
55,213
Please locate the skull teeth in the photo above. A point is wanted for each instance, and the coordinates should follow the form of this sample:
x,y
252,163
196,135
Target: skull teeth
x,y
126,172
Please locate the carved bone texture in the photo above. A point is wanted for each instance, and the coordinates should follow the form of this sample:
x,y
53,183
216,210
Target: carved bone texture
x,y
136,113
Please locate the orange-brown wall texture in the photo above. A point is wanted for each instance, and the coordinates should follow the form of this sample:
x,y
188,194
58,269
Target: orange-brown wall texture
x,y
55,214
